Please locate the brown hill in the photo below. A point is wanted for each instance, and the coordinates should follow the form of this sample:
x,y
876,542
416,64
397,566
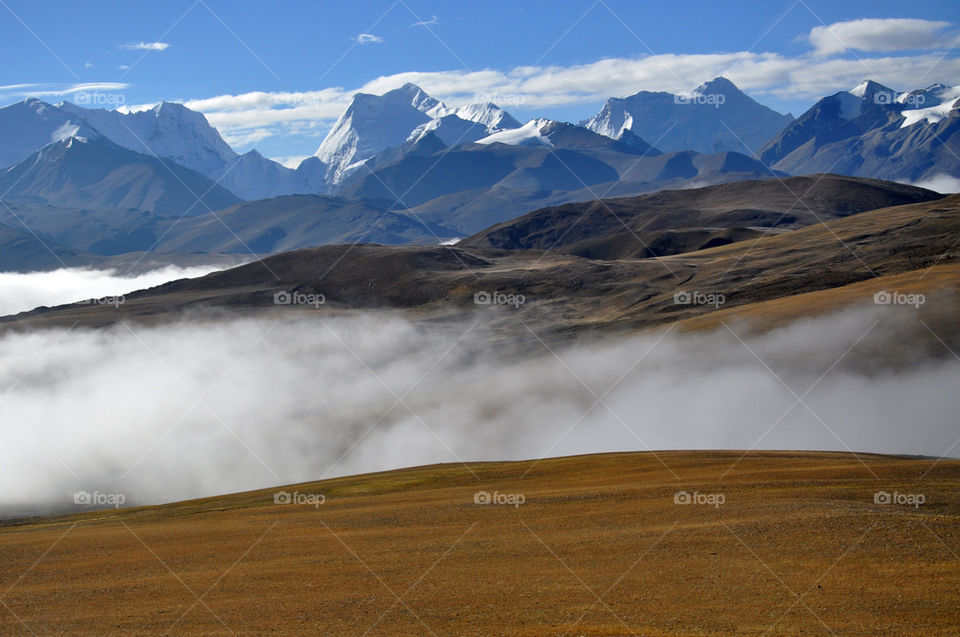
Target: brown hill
x,y
675,221
801,543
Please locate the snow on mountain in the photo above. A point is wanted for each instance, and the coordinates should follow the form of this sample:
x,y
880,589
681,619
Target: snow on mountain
x,y
175,132
850,105
30,125
934,103
451,130
530,134
253,176
487,114
167,130
715,117
874,131
96,173
374,123
874,92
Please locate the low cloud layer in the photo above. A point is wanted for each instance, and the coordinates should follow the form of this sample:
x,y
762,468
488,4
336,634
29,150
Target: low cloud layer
x,y
21,291
201,408
941,183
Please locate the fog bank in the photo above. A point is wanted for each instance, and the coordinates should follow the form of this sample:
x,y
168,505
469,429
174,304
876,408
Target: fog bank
x,y
196,409
21,291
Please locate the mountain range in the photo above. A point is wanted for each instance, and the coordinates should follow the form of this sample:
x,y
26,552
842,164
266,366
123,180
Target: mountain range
x,y
404,167
781,258
873,131
715,117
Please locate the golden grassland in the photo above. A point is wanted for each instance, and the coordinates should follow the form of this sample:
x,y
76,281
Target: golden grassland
x,y
598,547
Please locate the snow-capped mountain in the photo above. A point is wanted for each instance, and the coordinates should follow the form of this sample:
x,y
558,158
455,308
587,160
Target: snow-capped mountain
x,y
930,105
554,134
96,173
874,131
374,123
167,130
173,131
28,126
487,114
451,130
715,117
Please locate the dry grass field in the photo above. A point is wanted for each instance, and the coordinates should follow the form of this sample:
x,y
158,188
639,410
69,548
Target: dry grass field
x,y
780,543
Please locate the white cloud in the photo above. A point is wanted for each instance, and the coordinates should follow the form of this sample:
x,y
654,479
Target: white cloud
x,y
145,46
871,34
57,90
245,137
368,38
88,65
21,291
942,183
287,401
426,23
759,74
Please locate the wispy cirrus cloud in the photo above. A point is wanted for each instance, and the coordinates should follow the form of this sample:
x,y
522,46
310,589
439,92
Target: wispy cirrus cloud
x,y
49,89
426,23
145,46
881,34
368,38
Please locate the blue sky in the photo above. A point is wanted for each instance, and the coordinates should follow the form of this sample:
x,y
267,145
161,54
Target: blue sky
x,y
273,75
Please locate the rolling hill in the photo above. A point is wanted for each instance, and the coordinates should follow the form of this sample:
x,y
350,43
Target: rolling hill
x,y
648,225
598,545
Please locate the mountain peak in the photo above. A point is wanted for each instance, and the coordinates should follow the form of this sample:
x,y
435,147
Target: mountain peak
x,y
35,105
409,87
372,123
70,141
716,116
868,88
719,85
488,114
170,107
